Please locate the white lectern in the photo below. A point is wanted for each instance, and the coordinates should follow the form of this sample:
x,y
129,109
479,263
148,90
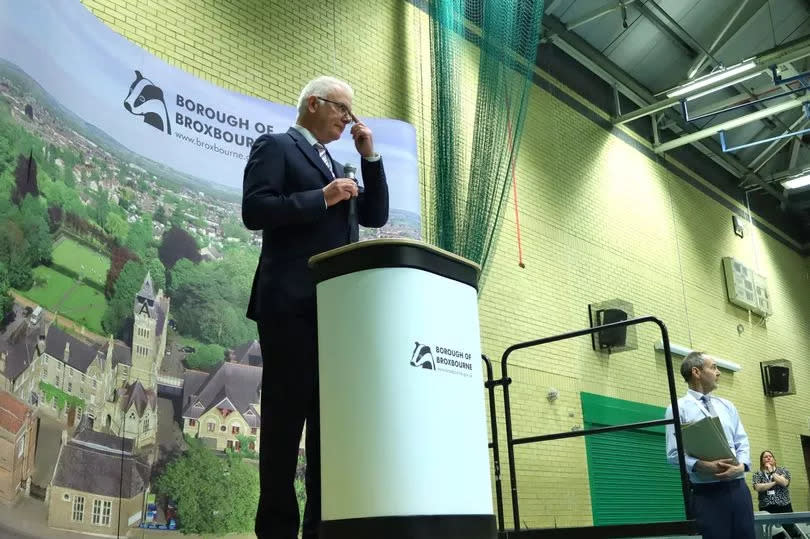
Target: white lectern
x,y
403,425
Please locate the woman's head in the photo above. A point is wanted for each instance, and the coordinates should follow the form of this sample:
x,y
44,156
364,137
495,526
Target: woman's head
x,y
765,458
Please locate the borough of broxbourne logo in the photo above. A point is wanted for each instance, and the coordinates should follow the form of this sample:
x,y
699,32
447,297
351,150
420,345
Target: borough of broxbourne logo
x,y
145,99
422,356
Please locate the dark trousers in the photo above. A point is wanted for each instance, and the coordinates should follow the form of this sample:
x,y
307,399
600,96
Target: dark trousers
x,y
289,397
791,529
724,510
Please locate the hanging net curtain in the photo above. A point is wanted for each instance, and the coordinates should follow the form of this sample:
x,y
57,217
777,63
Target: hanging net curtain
x,y
483,53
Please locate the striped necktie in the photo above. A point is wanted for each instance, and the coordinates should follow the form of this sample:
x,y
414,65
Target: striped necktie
x,y
324,157
708,403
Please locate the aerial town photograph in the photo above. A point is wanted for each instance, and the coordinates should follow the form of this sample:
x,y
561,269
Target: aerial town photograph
x,y
125,357
129,375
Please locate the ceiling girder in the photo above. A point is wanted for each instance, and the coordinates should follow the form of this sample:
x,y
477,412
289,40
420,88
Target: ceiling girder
x,y
597,13
668,30
694,69
731,124
773,148
591,58
783,174
786,53
794,152
673,28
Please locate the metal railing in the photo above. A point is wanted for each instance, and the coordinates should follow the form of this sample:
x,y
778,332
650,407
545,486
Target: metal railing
x,y
505,381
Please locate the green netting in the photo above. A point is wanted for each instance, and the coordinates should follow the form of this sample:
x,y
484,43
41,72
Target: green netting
x,y
482,51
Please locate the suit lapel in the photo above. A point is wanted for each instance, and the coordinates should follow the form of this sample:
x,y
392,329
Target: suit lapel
x,y
310,153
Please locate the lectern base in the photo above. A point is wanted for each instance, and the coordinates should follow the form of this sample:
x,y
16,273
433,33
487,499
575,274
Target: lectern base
x,y
412,527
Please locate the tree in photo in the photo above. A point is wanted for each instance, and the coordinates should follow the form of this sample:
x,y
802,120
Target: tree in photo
x,y
244,446
117,226
222,322
207,357
6,151
158,272
124,200
183,272
299,483
118,259
25,177
233,228
68,176
240,263
15,252
214,495
101,209
139,237
6,301
178,218
35,225
117,319
208,302
6,186
160,215
55,192
177,244
55,217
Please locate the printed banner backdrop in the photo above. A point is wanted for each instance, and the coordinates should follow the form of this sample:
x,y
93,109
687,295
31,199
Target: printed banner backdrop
x,y
125,273
131,101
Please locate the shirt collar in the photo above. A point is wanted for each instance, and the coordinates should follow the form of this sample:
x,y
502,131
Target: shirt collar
x,y
697,394
306,133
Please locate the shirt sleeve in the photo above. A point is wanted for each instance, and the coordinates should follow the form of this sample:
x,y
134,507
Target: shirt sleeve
x,y
672,446
759,477
742,448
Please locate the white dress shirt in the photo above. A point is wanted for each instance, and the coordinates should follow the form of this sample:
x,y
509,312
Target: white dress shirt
x,y
692,409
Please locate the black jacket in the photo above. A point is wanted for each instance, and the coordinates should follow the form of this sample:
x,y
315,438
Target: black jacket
x,y
283,196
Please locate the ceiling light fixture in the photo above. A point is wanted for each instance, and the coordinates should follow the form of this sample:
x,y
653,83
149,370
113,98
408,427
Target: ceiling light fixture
x,y
742,69
797,182
726,85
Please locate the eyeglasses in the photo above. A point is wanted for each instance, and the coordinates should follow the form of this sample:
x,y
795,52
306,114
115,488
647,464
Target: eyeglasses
x,y
342,108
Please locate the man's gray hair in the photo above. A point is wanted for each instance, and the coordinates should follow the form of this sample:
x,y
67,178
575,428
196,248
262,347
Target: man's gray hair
x,y
321,87
694,359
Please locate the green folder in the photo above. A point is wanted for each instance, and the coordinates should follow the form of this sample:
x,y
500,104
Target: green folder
x,y
705,440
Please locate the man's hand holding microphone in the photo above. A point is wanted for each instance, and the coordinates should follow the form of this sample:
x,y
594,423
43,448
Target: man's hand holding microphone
x,y
338,190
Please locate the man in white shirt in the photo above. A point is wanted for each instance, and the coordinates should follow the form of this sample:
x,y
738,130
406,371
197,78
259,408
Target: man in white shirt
x,y
721,500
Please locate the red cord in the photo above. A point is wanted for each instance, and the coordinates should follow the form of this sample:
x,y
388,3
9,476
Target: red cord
x,y
514,185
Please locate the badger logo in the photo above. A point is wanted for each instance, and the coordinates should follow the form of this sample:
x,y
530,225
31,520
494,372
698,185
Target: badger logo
x,y
422,356
145,99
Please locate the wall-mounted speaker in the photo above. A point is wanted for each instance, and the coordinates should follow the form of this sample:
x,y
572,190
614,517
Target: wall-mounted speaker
x,y
777,378
612,340
613,337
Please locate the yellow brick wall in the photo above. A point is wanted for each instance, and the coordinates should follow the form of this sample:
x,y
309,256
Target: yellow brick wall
x,y
599,220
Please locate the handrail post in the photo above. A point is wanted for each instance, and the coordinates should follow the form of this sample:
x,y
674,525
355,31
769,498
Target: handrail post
x,y
496,459
510,449
676,416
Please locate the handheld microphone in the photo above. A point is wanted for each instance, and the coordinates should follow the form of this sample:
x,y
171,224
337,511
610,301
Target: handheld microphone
x,y
349,171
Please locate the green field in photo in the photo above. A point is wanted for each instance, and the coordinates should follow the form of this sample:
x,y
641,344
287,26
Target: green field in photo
x,y
57,292
86,262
